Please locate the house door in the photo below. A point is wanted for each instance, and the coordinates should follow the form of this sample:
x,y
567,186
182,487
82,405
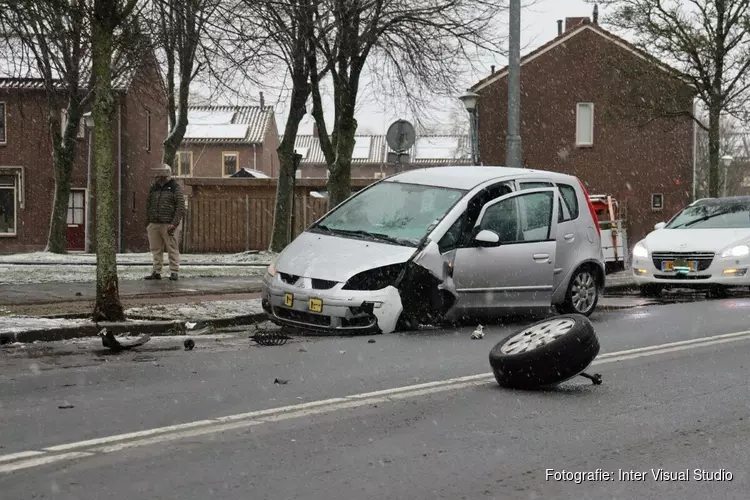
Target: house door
x,y
76,236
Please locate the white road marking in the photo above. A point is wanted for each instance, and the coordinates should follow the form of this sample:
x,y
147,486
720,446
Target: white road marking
x,y
36,462
23,454
243,420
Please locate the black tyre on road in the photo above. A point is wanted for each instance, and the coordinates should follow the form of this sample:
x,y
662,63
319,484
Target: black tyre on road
x,y
546,353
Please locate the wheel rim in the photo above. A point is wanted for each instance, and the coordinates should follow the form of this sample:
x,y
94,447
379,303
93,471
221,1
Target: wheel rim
x,y
583,292
537,335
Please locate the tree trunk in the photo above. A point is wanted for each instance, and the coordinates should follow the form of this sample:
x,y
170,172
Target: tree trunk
x,y
714,146
287,170
174,139
108,306
63,158
339,180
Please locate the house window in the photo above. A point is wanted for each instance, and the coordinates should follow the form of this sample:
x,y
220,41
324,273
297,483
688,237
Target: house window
x,y
8,203
64,124
184,163
229,162
3,138
657,201
585,124
148,131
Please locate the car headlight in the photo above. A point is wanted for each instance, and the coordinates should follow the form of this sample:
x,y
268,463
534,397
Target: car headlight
x,y
640,251
272,268
738,251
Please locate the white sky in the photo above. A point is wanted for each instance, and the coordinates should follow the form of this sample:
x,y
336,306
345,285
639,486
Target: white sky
x,y
538,25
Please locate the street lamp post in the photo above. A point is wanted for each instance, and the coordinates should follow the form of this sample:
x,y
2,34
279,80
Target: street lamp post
x,y
89,122
726,160
469,99
513,147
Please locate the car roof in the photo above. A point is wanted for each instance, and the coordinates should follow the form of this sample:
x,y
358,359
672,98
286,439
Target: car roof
x,y
467,177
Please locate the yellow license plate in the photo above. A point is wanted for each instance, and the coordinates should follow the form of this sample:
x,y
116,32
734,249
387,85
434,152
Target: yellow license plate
x,y
316,305
670,265
288,299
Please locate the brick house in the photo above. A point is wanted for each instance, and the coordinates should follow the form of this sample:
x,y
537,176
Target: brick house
x,y
27,179
221,140
575,91
370,155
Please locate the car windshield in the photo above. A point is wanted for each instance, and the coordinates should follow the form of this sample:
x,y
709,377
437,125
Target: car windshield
x,y
721,214
394,212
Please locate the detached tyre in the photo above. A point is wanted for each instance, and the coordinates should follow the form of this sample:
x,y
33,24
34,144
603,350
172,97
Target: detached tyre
x,y
546,353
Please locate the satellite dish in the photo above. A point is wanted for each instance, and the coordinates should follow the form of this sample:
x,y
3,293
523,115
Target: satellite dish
x,y
401,135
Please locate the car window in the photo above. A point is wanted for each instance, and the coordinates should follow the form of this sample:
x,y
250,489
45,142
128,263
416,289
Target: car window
x,y
542,184
391,210
452,236
715,214
571,199
522,218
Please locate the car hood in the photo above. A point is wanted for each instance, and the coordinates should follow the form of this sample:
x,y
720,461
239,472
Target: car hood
x,y
337,258
695,240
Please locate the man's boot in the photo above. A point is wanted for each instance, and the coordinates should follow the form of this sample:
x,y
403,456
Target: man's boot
x,y
173,277
153,276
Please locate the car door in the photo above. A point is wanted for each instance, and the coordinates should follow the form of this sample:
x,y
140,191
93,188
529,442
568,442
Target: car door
x,y
568,243
517,271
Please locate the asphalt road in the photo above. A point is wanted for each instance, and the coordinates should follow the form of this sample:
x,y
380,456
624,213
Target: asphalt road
x,y
676,408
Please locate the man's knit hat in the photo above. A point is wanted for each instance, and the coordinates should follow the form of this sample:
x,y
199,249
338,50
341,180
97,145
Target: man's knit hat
x,y
162,171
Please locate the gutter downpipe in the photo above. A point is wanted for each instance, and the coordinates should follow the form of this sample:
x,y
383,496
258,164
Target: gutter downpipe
x,y
119,177
695,149
88,228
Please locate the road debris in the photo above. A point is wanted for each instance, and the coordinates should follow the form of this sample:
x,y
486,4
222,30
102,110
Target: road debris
x,y
280,381
189,344
478,333
109,341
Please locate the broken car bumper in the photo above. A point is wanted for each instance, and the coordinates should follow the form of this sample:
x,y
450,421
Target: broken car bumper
x,y
332,310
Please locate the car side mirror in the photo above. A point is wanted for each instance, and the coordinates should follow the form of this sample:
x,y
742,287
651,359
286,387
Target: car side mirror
x,y
487,237
660,225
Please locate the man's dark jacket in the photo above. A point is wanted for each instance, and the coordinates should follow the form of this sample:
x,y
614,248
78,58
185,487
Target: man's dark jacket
x,y
166,204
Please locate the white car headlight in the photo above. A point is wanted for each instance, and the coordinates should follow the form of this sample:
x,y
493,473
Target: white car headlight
x,y
738,251
640,251
272,268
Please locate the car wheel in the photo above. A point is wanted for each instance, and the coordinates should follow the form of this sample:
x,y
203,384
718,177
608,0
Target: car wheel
x,y
650,290
582,295
546,353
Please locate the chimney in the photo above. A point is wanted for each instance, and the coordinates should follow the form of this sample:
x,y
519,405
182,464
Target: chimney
x,y
262,102
559,27
492,69
574,22
315,130
595,19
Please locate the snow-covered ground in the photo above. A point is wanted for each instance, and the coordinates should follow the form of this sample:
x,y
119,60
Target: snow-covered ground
x,y
201,311
15,324
19,275
250,258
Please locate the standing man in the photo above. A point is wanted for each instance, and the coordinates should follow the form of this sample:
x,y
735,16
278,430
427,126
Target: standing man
x,y
165,208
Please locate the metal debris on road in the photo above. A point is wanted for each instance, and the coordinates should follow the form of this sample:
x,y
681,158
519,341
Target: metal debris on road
x,y
279,381
109,341
371,341
66,406
270,338
478,333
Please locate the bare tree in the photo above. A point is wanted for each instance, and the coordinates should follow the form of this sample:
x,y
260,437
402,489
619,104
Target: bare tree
x,y
288,27
707,40
179,28
108,19
53,37
418,45
731,143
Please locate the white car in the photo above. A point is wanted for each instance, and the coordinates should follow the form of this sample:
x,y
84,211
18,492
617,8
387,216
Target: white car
x,y
705,246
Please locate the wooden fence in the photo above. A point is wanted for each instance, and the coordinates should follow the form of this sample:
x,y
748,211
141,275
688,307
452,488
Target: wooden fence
x,y
233,224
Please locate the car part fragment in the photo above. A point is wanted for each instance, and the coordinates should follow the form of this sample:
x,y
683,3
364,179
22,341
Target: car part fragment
x,y
546,353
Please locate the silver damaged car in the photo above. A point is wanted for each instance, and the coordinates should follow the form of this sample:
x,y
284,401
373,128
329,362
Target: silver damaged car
x,y
438,244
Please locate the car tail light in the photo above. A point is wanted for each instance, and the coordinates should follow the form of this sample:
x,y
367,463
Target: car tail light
x,y
591,208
